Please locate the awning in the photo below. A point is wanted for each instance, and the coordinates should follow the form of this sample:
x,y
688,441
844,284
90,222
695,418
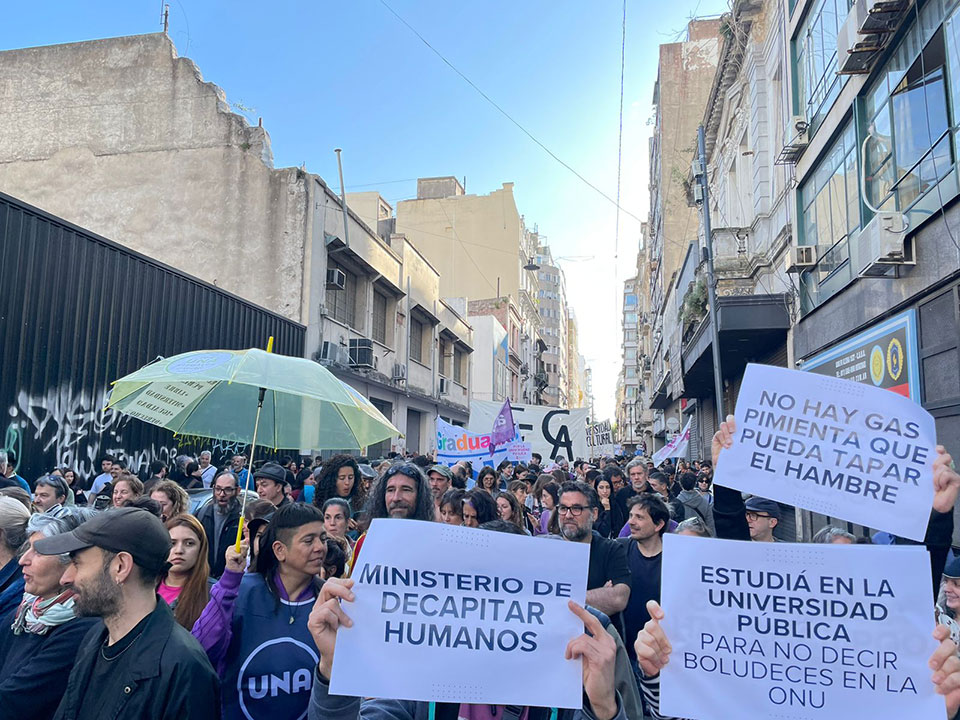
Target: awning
x,y
750,327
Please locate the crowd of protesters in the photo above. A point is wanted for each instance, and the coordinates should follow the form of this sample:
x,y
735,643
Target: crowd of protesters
x,y
124,597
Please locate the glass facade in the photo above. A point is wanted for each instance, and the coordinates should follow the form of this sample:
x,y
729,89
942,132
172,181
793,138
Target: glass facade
x,y
903,132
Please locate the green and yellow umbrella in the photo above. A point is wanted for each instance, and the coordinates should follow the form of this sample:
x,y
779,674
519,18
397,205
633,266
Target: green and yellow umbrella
x,y
251,396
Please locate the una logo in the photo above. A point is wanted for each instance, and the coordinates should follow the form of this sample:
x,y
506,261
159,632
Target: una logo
x,y
276,680
198,362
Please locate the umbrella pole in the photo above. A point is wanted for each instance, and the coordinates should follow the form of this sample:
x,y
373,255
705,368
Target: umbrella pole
x,y
246,485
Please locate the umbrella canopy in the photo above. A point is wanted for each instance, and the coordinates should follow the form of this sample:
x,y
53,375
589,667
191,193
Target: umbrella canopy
x,y
214,393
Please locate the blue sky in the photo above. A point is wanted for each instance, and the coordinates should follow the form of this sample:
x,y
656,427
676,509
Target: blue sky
x,y
349,74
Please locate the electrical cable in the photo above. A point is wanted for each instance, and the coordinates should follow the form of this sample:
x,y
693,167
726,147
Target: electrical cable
x,y
616,232
506,114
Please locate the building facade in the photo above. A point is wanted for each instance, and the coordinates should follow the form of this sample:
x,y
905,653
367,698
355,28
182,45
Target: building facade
x,y
555,317
685,75
161,165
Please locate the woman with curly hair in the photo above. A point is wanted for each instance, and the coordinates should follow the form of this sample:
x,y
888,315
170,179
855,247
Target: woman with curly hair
x,y
340,478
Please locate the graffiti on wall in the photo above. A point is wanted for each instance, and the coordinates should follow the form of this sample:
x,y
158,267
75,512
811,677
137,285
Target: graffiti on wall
x,y
65,427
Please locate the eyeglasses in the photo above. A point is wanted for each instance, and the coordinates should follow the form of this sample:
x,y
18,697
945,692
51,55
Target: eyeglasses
x,y
575,510
754,515
224,490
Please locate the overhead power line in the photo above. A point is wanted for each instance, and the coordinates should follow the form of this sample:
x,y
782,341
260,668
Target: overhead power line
x,y
507,115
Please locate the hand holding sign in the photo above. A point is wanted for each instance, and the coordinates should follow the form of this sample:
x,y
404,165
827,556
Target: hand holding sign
x,y
326,618
946,482
834,447
598,652
653,653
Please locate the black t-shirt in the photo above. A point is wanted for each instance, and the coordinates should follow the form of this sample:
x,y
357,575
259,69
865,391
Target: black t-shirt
x,y
106,684
644,586
608,561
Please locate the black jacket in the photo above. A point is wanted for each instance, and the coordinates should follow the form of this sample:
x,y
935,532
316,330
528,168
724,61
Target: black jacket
x,y
28,662
228,535
169,678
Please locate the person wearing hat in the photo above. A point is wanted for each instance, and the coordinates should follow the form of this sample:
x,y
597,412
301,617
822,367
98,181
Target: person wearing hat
x,y
140,663
441,480
948,599
272,484
762,517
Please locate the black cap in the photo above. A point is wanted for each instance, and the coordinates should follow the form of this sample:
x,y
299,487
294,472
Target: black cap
x,y
272,471
126,529
762,505
952,569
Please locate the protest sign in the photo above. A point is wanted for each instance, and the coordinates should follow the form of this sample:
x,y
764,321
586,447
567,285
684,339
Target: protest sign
x,y
676,447
519,452
600,439
836,447
552,432
455,444
777,630
455,614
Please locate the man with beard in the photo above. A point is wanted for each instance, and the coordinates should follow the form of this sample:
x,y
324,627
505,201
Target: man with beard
x,y
403,492
441,480
220,520
608,576
649,516
116,561
254,628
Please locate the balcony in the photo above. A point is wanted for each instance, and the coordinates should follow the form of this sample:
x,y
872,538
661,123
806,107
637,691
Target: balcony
x,y
750,326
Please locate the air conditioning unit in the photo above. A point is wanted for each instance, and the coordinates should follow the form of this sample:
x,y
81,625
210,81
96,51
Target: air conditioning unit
x,y
868,29
799,133
361,353
444,386
331,352
883,245
399,372
336,278
801,258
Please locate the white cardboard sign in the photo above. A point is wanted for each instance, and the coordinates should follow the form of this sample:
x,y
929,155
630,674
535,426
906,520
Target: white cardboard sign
x,y
454,614
797,632
836,447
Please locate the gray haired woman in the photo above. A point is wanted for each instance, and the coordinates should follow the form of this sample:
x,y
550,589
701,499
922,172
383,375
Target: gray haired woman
x,y
39,641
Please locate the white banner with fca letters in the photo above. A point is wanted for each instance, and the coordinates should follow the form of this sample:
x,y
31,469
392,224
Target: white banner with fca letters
x,y
460,615
836,447
552,432
780,630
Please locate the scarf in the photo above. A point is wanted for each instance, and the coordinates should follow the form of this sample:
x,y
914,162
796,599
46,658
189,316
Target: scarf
x,y
37,616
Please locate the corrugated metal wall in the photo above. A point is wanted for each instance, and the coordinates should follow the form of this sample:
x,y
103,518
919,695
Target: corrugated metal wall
x,y
77,312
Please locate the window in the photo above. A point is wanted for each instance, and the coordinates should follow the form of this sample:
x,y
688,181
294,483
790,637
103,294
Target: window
x,y
444,353
830,203
379,317
416,340
815,50
342,304
908,147
630,300
458,366
630,372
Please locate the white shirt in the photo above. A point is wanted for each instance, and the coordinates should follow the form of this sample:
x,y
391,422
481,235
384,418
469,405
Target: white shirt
x,y
100,482
208,475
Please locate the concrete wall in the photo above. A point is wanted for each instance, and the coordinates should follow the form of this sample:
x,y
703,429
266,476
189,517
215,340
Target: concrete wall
x,y
472,240
488,334
124,138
